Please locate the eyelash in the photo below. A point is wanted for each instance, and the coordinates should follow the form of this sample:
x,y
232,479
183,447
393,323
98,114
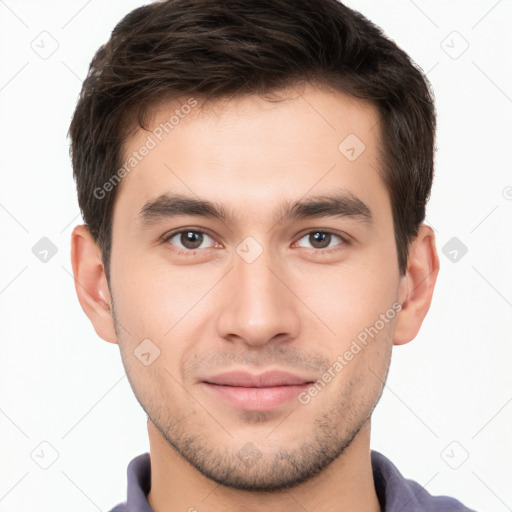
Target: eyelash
x,y
344,240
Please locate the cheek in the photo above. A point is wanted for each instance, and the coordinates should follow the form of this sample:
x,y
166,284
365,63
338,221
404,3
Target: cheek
x,y
363,365
151,297
349,300
154,302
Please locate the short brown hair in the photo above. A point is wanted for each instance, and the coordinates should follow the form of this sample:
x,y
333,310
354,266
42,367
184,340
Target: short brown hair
x,y
212,50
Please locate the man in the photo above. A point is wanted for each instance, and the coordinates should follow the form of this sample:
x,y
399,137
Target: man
x,y
253,177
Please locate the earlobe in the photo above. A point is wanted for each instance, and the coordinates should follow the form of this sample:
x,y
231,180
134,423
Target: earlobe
x,y
417,285
91,284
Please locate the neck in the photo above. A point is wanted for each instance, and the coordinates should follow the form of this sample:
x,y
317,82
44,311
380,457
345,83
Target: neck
x,y
345,484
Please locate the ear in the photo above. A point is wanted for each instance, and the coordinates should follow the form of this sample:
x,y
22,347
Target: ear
x,y
91,283
417,285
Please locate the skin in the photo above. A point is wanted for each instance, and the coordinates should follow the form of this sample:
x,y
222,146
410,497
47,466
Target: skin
x,y
294,308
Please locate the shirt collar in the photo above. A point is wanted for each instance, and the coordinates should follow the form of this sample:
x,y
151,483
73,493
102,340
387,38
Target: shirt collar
x,y
139,484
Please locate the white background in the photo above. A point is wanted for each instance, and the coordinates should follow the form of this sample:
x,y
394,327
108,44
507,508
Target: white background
x,y
61,384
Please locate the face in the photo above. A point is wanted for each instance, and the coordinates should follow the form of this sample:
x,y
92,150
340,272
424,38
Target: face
x,y
268,329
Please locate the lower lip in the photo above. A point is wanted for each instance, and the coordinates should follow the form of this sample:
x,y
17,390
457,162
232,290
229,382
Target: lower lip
x,y
256,399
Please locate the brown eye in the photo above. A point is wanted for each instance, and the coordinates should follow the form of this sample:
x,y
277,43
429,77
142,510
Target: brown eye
x,y
321,240
188,239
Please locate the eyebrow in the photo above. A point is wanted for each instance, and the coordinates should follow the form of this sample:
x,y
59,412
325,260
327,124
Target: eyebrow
x,y
341,205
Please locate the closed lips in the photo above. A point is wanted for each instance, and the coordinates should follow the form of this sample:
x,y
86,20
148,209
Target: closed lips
x,y
264,380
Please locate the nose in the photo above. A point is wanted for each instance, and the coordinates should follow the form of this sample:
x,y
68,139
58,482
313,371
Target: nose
x,y
259,305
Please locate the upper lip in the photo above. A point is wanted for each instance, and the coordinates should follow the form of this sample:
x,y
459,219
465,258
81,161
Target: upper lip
x,y
262,380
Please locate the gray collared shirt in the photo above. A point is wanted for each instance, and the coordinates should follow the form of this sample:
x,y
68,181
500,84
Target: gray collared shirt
x,y
395,493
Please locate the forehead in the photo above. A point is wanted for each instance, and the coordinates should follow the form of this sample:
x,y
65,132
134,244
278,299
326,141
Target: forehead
x,y
253,153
